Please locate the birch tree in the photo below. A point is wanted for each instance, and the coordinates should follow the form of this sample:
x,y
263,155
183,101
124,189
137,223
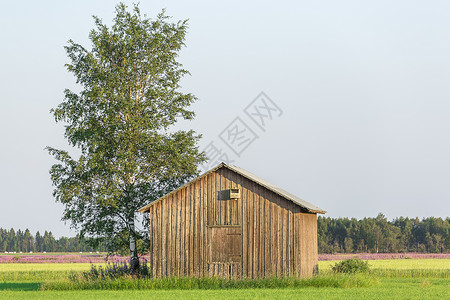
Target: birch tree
x,y
122,123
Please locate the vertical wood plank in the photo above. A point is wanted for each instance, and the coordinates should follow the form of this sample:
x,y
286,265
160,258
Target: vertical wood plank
x,y
234,211
176,234
260,233
267,234
279,240
292,236
226,185
187,234
204,222
256,232
315,245
233,203
192,231
285,240
197,236
200,228
179,231
172,248
243,221
160,237
216,207
282,238
169,235
211,189
163,239
236,183
209,205
263,232
302,245
309,234
165,233
230,211
155,239
296,245
189,231
183,233
251,228
273,234
152,241
223,204
216,187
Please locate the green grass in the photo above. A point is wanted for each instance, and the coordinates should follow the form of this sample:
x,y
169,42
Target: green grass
x,y
397,279
388,289
20,286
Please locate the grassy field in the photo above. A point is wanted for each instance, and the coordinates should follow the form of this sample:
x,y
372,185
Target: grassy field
x,y
397,279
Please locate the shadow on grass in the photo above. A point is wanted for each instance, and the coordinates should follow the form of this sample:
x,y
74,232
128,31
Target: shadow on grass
x,y
20,286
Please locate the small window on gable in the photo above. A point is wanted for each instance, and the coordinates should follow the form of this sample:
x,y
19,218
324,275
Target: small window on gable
x,y
234,194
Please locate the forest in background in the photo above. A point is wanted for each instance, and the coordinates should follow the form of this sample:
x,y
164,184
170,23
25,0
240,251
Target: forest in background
x,y
335,235
23,241
378,235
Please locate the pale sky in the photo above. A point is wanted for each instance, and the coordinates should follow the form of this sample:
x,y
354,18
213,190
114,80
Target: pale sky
x,y
363,87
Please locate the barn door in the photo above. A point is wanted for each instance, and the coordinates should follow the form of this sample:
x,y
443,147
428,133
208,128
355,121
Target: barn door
x,y
225,251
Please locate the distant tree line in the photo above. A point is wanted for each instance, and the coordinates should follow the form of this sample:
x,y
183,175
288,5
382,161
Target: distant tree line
x,y
17,241
378,235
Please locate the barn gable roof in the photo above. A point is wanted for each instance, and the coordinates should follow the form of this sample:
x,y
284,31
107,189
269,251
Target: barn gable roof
x,y
300,202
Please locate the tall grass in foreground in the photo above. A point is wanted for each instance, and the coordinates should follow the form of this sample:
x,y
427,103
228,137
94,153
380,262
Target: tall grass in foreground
x,y
208,283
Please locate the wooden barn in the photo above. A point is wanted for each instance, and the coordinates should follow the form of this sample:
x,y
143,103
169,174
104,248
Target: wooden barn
x,y
229,222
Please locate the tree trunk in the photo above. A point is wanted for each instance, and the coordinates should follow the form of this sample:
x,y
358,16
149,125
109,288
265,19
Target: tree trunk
x,y
134,260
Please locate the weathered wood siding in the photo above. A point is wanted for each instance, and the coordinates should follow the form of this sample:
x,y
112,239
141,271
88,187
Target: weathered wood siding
x,y
198,232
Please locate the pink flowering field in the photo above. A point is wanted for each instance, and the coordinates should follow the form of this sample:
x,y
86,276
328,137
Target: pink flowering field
x,y
61,258
383,256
